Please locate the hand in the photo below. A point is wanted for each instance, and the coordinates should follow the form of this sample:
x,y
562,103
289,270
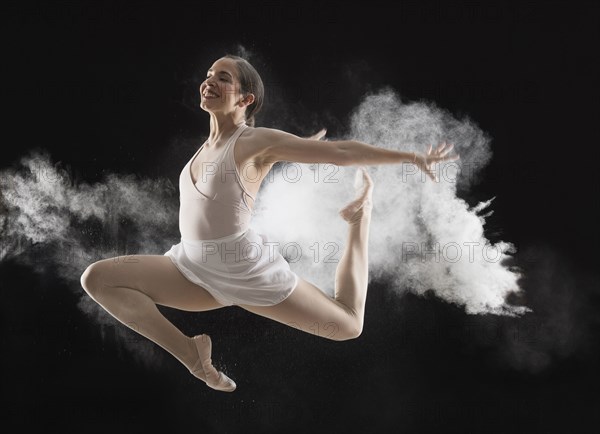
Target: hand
x,y
425,162
319,135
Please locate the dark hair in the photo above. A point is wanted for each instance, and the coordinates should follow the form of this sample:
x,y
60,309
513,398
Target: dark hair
x,y
250,82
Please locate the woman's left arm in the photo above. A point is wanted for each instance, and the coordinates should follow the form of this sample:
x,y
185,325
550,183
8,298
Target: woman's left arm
x,y
358,153
275,145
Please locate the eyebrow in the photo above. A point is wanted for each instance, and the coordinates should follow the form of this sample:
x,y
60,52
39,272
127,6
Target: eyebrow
x,y
221,72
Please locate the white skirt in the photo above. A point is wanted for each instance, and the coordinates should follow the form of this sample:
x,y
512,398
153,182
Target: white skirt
x,y
242,268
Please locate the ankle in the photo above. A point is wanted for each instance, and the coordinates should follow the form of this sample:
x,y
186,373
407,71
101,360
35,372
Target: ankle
x,y
191,356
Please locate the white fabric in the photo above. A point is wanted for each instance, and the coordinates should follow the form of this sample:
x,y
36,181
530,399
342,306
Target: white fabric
x,y
243,268
217,204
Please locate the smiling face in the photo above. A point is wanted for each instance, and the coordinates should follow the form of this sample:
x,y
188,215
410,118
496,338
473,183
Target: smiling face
x,y
220,92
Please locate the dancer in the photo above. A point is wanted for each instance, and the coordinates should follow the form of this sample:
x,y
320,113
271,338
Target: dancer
x,y
220,260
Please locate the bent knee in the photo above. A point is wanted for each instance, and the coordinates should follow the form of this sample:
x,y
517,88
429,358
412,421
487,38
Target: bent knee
x,y
92,279
351,330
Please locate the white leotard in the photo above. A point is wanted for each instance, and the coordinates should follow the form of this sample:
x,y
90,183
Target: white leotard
x,y
216,205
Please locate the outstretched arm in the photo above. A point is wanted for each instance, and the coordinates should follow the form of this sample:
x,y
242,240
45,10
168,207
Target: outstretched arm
x,y
362,154
283,146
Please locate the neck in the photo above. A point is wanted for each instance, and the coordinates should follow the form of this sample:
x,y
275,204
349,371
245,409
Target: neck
x,y
223,127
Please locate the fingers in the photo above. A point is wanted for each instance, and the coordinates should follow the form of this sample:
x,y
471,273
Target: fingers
x,y
443,149
438,155
446,149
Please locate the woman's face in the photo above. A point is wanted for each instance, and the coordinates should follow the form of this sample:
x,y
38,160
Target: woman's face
x,y
220,92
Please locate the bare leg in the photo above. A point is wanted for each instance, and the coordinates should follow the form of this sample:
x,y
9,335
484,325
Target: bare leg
x,y
312,311
130,287
352,273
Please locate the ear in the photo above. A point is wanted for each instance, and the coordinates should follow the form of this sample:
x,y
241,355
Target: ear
x,y
247,100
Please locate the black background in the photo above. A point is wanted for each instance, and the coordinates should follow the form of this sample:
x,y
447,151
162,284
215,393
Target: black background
x,y
106,87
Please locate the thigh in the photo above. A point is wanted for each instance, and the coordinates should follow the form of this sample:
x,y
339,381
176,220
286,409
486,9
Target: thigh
x,y
155,276
310,310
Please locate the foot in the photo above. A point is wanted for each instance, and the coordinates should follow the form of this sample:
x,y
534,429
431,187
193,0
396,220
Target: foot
x,y
204,369
363,204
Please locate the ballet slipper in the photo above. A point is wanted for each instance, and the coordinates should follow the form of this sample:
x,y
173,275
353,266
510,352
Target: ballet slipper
x,y
354,211
204,367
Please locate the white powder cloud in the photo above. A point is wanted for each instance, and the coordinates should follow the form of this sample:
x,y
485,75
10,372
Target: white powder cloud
x,y
423,237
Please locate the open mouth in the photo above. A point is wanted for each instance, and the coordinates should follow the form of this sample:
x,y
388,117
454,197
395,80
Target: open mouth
x,y
209,94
